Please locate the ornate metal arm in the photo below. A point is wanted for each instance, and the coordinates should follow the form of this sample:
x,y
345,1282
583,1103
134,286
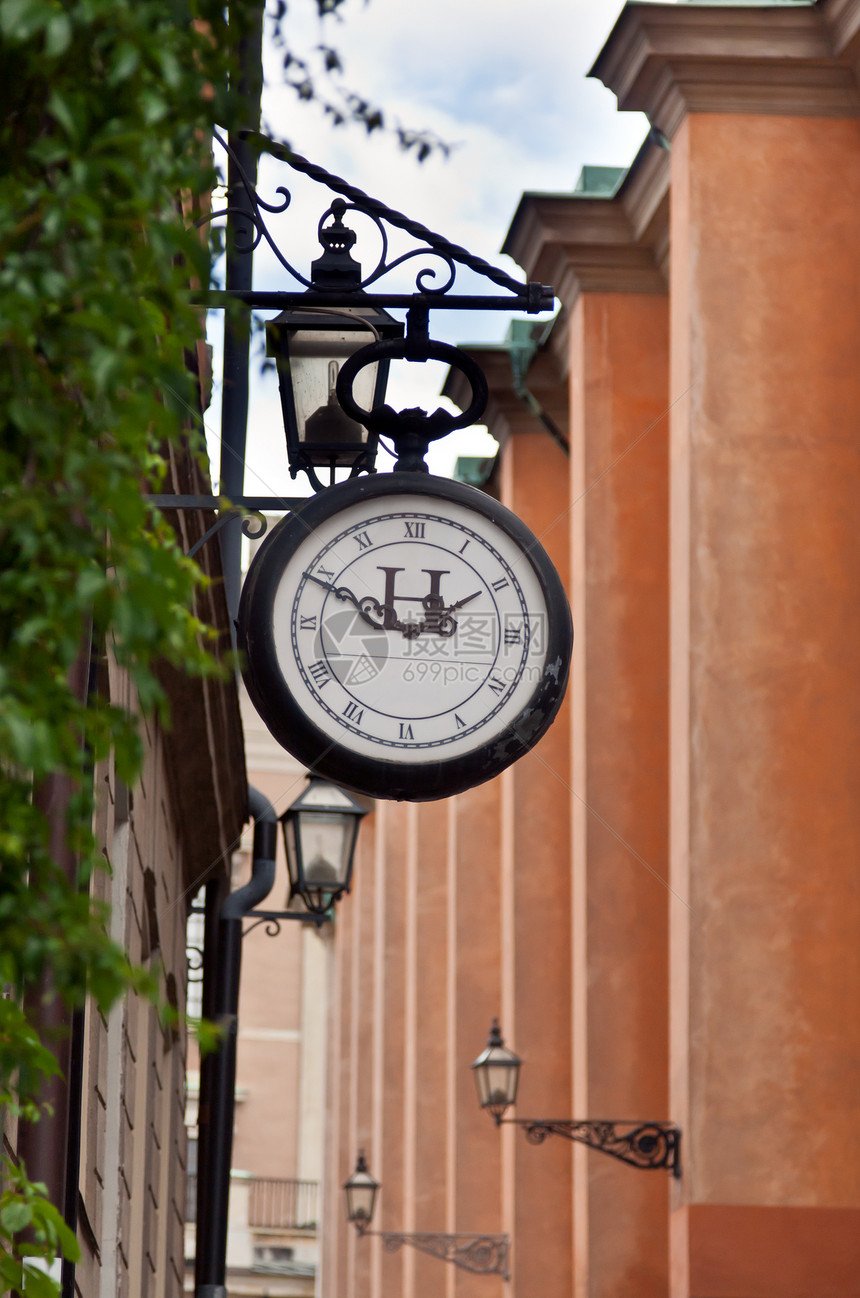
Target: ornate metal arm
x,y
432,283
274,918
641,1144
482,1254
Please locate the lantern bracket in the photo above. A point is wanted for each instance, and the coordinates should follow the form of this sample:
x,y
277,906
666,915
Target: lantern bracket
x,y
273,918
335,277
639,1144
250,509
480,1254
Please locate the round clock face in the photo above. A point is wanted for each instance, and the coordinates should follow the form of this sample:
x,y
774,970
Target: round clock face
x,y
405,635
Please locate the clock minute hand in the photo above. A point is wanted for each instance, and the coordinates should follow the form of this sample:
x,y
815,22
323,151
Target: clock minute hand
x,y
363,606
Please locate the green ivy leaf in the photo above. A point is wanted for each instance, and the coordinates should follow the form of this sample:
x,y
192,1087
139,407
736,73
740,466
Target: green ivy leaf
x,y
15,1215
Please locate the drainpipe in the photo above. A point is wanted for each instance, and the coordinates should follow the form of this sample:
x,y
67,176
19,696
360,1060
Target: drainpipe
x,y
222,972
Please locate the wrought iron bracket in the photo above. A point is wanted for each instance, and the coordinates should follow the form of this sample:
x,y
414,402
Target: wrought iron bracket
x,y
640,1144
251,510
433,282
272,920
481,1254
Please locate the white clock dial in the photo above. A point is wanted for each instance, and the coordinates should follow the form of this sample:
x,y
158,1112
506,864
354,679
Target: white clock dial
x,y
410,629
405,635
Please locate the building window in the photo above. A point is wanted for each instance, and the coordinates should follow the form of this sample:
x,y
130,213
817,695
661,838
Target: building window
x,y
194,955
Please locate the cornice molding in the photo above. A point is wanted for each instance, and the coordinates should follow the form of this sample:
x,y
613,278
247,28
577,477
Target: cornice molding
x,y
843,22
670,60
582,244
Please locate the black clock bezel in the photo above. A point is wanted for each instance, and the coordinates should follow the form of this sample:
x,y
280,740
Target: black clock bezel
x,y
379,777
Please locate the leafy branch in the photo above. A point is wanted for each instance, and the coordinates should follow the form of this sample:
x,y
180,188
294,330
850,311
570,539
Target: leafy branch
x,y
316,78
105,107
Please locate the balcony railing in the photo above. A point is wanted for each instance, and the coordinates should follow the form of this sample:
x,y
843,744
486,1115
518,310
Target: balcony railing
x,y
272,1204
282,1205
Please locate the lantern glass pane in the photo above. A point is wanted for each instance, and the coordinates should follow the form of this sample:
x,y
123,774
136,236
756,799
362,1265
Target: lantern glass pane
x,y
316,357
326,840
499,1084
290,845
360,1194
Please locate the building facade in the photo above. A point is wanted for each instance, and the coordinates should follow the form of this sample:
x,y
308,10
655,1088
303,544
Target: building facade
x,y
113,1149
661,902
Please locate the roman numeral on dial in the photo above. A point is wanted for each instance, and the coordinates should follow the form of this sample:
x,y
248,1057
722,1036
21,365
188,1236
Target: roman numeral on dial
x,y
320,673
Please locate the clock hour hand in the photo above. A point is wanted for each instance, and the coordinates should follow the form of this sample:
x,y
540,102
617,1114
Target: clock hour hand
x,y
364,607
439,620
461,602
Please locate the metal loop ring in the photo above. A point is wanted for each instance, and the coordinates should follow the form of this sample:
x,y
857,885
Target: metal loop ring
x,y
413,349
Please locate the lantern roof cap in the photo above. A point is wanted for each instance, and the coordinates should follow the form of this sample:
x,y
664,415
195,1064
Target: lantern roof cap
x,y
323,795
496,1051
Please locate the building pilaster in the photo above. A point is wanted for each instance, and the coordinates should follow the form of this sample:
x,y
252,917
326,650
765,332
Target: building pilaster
x,y
606,256
760,104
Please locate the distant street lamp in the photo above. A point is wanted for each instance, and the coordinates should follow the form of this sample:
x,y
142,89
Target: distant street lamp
x,y
361,1190
640,1144
497,1074
480,1254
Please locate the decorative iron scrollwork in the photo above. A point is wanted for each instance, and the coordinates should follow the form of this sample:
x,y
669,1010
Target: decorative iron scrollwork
x,y
641,1144
254,526
273,919
481,1254
433,283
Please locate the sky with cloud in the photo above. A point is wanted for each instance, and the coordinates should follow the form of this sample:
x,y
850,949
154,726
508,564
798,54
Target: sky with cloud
x,y
504,82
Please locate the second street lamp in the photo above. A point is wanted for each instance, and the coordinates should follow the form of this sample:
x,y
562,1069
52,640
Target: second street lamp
x,y
497,1073
643,1144
320,832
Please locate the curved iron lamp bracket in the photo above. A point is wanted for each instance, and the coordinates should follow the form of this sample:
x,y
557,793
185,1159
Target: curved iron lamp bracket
x,y
640,1144
249,508
433,281
481,1254
273,919
254,525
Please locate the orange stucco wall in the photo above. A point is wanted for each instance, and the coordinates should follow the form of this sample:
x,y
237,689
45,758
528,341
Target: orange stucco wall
x,y
766,709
